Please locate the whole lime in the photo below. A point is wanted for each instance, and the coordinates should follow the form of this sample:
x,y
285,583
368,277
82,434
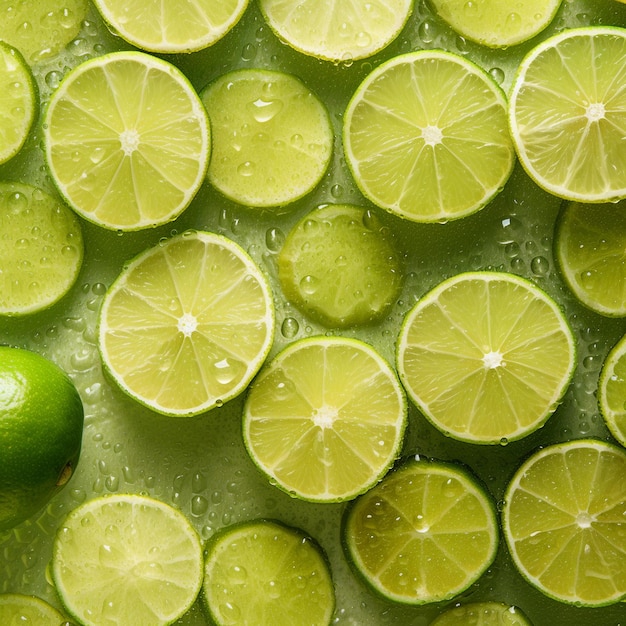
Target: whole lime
x,y
41,425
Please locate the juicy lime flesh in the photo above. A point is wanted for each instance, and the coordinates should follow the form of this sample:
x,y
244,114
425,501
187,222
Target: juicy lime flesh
x,y
267,574
187,324
17,102
41,427
325,419
339,265
335,30
22,609
127,559
568,114
272,137
424,534
612,391
41,249
497,24
426,137
482,614
486,356
127,140
563,520
173,26
591,249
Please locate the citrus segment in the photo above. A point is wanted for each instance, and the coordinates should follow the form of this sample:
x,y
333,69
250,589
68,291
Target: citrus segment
x,y
495,23
127,140
325,419
41,249
426,136
172,26
482,614
486,356
612,391
563,520
424,534
590,244
127,559
340,266
265,573
187,324
568,114
272,137
17,101
16,608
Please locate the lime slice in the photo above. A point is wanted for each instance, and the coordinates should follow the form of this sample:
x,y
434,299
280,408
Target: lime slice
x,y
426,136
339,265
127,140
482,614
591,250
336,30
495,23
325,419
272,137
187,324
17,101
127,559
424,534
612,391
172,26
563,520
264,573
17,608
568,114
486,356
41,29
41,249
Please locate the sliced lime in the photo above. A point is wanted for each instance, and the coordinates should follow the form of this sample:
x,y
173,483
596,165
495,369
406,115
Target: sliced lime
x,y
482,614
612,391
17,609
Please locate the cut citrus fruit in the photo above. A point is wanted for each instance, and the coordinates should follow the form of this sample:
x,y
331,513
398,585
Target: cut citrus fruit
x,y
172,26
127,559
17,101
127,140
187,324
335,30
568,114
612,391
563,520
590,244
339,265
495,23
486,356
272,137
41,249
264,573
17,608
424,534
482,614
426,136
325,419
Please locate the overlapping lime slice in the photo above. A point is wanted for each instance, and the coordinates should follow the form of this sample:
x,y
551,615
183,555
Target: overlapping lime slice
x,y
612,391
18,609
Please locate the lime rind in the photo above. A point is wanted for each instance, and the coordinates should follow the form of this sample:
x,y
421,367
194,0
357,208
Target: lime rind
x,y
612,391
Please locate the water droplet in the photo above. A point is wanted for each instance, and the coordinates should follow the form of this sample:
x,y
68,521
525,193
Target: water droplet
x,y
246,169
290,327
540,266
264,110
199,505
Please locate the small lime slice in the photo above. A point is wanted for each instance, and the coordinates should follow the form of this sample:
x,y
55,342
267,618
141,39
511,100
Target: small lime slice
x,y
17,608
495,23
486,356
424,534
41,249
612,391
563,520
590,246
340,266
325,419
127,559
127,140
335,30
426,136
272,137
187,324
18,102
568,114
172,26
482,614
264,573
